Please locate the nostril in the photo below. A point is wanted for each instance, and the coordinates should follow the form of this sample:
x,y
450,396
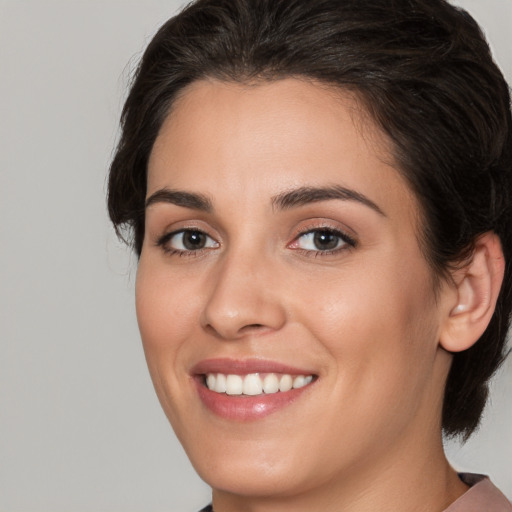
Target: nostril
x,y
252,327
238,332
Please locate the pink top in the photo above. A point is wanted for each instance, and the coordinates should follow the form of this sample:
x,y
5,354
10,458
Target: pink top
x,y
483,496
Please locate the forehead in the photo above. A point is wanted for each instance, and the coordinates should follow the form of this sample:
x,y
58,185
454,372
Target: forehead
x,y
267,137
296,107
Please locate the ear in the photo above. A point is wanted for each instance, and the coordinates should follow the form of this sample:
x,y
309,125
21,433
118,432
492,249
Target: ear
x,y
477,286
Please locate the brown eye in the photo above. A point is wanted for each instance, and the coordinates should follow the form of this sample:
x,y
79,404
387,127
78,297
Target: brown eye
x,y
322,240
193,240
325,240
187,240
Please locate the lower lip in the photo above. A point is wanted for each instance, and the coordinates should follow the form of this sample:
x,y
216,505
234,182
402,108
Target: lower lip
x,y
244,407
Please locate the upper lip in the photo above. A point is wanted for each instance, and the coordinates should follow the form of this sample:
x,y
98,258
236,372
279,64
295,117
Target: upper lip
x,y
245,366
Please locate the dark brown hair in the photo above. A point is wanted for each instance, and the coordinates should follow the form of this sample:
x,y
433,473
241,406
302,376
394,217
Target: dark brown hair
x,y
423,71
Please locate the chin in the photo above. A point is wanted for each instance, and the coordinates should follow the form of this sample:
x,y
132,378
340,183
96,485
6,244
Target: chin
x,y
249,468
247,479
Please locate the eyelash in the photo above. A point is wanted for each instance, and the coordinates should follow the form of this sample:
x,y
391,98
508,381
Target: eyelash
x,y
348,242
165,239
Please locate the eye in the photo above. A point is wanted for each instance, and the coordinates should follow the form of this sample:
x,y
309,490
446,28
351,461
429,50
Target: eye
x,y
186,240
322,240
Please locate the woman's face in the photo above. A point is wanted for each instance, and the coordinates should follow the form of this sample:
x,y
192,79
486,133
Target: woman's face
x,y
282,244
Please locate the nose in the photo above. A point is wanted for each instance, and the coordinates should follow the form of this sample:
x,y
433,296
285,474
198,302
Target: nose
x,y
244,298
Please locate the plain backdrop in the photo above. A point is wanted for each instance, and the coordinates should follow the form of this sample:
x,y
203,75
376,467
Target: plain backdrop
x,y
80,426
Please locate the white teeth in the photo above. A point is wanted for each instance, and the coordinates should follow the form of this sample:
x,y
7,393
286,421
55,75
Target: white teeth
x,y
286,383
234,385
253,384
299,382
210,381
220,383
271,383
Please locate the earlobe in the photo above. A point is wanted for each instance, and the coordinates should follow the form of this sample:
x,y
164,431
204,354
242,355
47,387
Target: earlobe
x,y
477,288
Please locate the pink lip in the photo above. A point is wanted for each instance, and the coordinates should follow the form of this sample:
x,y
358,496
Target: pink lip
x,y
245,408
245,366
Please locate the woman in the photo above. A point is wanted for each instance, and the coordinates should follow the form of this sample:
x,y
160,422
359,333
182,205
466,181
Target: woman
x,y
319,194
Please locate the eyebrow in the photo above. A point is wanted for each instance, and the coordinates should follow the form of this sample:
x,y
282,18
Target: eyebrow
x,y
306,195
301,196
180,198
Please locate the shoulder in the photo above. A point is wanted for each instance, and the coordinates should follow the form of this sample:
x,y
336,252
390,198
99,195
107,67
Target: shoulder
x,y
482,495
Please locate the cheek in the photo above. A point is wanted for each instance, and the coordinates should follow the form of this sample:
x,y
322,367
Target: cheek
x,y
165,307
166,315
383,349
380,324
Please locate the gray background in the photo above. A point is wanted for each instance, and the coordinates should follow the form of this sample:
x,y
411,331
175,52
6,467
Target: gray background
x,y
80,427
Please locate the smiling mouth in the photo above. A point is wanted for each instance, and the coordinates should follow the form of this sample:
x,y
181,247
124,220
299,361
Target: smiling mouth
x,y
254,384
243,390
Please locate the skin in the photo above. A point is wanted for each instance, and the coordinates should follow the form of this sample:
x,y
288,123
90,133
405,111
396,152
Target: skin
x,y
365,320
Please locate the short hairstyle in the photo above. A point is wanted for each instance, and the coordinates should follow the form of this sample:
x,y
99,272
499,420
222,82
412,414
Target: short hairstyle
x,y
423,71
